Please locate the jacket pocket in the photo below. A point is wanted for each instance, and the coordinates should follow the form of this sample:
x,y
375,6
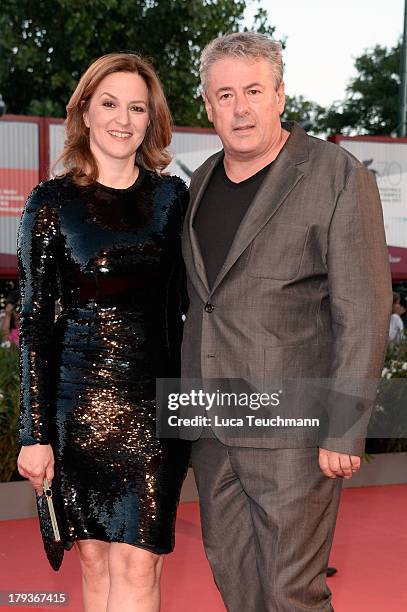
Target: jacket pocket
x,y
277,251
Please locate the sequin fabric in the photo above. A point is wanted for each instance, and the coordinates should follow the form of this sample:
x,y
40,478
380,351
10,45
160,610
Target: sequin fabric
x,y
110,259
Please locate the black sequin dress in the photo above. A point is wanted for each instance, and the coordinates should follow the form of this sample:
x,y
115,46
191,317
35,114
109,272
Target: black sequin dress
x,y
113,259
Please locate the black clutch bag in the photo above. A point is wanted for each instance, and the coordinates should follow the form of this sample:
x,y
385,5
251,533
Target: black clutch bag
x,y
50,513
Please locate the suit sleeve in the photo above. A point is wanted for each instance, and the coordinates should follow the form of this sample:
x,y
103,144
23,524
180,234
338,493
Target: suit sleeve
x,y
37,259
360,294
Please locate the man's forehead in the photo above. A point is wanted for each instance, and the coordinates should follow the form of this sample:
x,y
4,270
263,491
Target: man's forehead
x,y
229,70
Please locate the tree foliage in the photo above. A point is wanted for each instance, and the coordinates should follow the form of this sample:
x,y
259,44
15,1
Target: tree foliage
x,y
371,103
306,112
46,45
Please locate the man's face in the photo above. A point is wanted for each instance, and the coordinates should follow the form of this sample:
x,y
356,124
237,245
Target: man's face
x,y
244,106
398,308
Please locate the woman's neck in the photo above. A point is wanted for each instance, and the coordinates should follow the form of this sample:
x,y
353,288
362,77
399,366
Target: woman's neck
x,y
119,179
117,173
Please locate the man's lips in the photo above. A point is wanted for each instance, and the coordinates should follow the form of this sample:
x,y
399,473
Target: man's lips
x,y
243,128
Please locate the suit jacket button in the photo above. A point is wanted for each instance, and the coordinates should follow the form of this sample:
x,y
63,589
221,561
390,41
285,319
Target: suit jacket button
x,y
209,307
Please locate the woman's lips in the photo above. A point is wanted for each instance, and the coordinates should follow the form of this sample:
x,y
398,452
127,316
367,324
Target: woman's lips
x,y
120,135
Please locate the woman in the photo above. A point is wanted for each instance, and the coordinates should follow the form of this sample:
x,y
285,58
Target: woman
x,y
10,323
106,238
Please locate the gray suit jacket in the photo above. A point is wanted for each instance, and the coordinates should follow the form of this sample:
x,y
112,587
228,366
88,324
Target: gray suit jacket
x,y
305,290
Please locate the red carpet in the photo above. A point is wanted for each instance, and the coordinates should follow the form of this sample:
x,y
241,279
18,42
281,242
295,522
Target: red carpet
x,y
370,552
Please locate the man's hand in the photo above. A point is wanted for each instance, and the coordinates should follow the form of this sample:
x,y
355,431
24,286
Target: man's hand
x,y
338,464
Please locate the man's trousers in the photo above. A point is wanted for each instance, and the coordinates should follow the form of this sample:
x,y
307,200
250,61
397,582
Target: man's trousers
x,y
268,518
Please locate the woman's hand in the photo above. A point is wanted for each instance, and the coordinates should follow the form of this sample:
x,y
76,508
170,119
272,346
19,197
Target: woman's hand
x,y
35,463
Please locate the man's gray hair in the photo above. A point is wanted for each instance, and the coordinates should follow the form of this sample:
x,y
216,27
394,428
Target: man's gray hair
x,y
242,45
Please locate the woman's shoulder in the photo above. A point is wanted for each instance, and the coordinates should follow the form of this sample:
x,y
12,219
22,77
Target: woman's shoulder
x,y
171,191
48,192
40,215
177,182
169,181
174,189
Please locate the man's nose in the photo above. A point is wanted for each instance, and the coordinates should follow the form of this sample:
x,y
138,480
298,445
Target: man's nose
x,y
241,105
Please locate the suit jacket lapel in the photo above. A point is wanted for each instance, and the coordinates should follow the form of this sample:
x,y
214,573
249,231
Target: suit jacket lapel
x,y
279,182
191,249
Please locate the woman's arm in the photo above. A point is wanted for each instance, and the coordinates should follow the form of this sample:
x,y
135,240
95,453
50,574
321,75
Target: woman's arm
x,y
37,258
177,292
37,244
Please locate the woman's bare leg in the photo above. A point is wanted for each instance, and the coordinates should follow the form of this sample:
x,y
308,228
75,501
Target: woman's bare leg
x,y
94,558
134,579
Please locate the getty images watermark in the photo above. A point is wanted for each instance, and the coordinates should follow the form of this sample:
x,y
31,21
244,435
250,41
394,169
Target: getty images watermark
x,y
207,401
292,408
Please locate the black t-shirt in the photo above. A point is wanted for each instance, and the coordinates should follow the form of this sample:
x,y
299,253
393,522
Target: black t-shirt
x,y
220,213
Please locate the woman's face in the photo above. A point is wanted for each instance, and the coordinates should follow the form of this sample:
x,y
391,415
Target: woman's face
x,y
117,117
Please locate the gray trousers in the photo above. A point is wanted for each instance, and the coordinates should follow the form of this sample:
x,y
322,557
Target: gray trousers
x,y
268,518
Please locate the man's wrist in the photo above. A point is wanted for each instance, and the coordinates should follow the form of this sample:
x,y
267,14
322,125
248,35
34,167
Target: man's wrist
x,y
347,446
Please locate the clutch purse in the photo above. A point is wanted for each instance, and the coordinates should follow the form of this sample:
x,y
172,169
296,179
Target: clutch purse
x,y
50,513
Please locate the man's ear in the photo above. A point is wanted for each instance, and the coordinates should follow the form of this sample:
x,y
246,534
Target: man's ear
x,y
281,97
208,106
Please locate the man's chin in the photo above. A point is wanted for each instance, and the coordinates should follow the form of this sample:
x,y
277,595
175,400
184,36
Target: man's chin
x,y
243,151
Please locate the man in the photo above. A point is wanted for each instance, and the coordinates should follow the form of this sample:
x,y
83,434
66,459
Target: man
x,y
396,331
403,314
276,218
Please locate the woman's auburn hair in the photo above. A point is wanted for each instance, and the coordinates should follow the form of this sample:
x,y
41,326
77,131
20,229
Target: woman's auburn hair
x,y
78,161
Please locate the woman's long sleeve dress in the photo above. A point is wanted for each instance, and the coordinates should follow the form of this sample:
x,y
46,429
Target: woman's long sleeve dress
x,y
112,257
